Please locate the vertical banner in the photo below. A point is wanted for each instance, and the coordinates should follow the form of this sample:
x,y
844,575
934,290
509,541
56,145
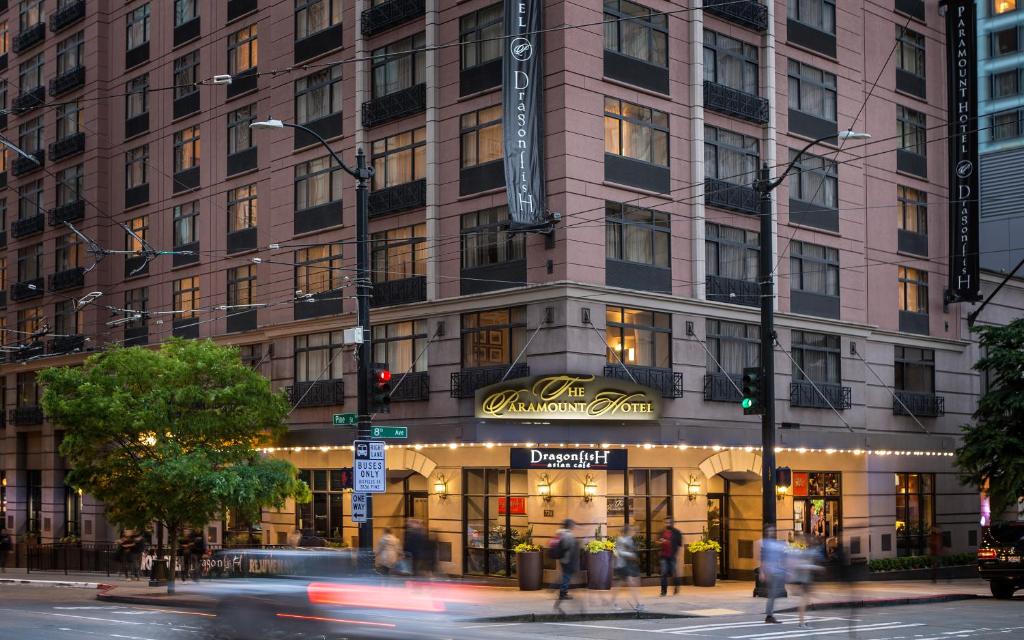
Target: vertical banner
x,y
522,102
962,78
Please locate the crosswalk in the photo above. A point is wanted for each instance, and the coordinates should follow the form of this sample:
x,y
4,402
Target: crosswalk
x,y
820,627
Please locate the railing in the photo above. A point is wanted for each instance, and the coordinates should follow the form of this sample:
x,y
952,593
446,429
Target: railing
x,y
922,405
67,81
67,279
29,99
22,165
735,103
398,197
66,344
722,387
391,14
28,226
26,290
746,13
728,195
804,394
29,37
26,416
415,386
322,393
733,290
665,381
395,105
404,291
68,213
467,381
67,15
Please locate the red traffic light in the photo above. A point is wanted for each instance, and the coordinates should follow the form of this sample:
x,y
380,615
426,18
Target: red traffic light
x,y
383,376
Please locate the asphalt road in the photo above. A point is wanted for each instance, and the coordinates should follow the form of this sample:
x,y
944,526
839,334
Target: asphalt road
x,y
34,613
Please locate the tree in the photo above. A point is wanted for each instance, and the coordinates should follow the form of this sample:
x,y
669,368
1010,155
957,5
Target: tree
x,y
993,449
171,435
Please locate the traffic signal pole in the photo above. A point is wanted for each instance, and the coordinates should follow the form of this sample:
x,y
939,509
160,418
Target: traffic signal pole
x,y
767,353
364,290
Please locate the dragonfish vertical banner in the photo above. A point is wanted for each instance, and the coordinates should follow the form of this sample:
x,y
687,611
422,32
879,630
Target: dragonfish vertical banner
x,y
522,98
962,78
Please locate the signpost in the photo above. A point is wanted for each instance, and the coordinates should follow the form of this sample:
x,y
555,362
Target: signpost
x,y
342,419
389,432
370,468
359,507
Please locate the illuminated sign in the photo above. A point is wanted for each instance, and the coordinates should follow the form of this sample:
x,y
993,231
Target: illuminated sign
x,y
592,459
568,397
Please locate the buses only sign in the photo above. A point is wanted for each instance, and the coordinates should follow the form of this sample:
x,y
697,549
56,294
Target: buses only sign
x,y
369,467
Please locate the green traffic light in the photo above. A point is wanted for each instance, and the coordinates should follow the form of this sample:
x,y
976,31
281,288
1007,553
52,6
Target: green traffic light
x,y
747,403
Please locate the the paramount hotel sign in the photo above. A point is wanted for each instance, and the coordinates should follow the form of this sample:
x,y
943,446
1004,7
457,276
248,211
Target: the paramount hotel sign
x,y
568,397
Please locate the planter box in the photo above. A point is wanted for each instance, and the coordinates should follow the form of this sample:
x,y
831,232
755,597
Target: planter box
x,y
530,567
599,570
705,568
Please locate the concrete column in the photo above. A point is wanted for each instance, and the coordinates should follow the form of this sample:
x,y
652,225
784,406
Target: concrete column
x,y
698,268
433,157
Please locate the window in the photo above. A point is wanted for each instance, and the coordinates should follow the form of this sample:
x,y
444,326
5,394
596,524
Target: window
x,y
817,354
731,252
400,158
186,148
30,262
730,157
138,27
30,135
642,498
913,289
913,209
638,337
30,200
71,53
251,355
242,208
243,50
1007,125
909,51
814,268
186,74
493,337
734,345
323,514
495,519
915,512
319,95
1005,42
66,319
317,182
817,506
915,369
398,346
137,300
634,234
69,119
139,226
313,16
480,33
68,254
135,162
481,136
820,14
33,477
3,278
399,253
30,13
1006,84
186,222
812,91
185,11
29,321
239,133
5,38
185,298
486,239
136,100
1003,6
814,180
730,62
241,285
70,185
318,269
30,73
636,31
318,356
394,70
72,511
911,130
636,132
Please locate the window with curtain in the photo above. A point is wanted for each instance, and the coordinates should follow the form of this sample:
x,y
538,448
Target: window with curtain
x,y
239,133
70,185
313,16
911,128
486,239
30,74
909,51
814,268
317,182
639,337
67,320
731,157
186,148
1007,125
241,285
400,65
242,208
913,289
1006,41
30,13
137,23
186,222
399,159
30,135
30,262
136,162
912,209
243,50
318,356
137,300
818,355
67,252
915,369
30,321
185,11
480,33
635,131
733,344
69,119
318,95
635,234
30,200
318,269
1003,6
636,31
730,62
812,91
1005,84
136,99
186,74
480,136
815,179
140,227
71,53
820,14
398,344
397,254
731,252
492,337
5,38
185,298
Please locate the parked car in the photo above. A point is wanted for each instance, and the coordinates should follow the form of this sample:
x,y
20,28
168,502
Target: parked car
x,y
1001,558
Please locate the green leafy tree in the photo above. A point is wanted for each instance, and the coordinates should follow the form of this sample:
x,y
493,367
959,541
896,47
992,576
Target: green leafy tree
x,y
171,435
993,448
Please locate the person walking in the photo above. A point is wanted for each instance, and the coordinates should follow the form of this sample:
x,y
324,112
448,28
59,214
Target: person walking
x,y
125,546
627,568
671,539
415,545
566,549
387,553
773,570
803,562
5,548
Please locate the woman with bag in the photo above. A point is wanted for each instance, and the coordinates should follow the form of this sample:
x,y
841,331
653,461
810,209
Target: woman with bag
x,y
387,553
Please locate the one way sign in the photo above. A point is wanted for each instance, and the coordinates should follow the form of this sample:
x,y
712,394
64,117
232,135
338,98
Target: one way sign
x,y
370,468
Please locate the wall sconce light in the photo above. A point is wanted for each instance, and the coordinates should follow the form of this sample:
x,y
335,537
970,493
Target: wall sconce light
x,y
781,491
441,487
692,488
544,487
589,488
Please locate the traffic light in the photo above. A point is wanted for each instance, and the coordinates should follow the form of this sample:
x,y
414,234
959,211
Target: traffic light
x,y
381,390
751,401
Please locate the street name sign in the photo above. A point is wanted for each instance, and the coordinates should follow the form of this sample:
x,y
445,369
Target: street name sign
x,y
359,507
389,432
341,419
369,467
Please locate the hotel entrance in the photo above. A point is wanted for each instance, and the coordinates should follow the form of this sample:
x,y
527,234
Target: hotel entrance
x,y
718,524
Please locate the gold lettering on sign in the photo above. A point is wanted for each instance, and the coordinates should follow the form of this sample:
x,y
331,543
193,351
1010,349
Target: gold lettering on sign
x,y
570,396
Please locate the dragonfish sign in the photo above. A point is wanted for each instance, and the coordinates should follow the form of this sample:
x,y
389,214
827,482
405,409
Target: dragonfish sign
x,y
568,397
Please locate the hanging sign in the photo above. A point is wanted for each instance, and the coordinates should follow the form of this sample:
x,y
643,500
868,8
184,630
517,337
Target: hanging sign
x,y
358,508
962,58
592,459
369,467
522,102
568,397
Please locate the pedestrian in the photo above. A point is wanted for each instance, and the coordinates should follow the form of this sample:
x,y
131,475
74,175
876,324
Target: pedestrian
x,y
935,550
197,550
671,539
415,545
803,561
773,570
125,544
627,568
294,538
5,548
387,553
566,549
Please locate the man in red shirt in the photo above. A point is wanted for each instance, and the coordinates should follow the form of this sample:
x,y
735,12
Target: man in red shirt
x,y
671,539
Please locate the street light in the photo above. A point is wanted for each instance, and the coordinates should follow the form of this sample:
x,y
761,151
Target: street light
x,y
18,150
362,173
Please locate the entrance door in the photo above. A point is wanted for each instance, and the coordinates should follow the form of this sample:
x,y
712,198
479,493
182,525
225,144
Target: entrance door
x,y
819,518
416,503
718,518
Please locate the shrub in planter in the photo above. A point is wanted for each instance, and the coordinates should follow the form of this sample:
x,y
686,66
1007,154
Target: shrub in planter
x,y
599,563
704,555
529,566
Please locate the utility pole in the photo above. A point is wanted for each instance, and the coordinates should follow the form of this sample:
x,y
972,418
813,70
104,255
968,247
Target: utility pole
x,y
767,352
364,351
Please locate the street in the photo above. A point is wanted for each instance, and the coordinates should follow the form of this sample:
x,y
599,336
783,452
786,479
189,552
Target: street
x,y
35,613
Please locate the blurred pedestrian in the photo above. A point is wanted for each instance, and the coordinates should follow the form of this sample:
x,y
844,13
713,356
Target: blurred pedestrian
x,y
773,570
130,556
5,548
803,562
935,550
294,538
566,549
627,567
671,540
197,551
387,553
415,545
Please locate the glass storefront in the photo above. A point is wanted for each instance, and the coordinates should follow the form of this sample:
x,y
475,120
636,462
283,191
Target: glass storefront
x,y
915,512
323,515
641,497
494,513
817,507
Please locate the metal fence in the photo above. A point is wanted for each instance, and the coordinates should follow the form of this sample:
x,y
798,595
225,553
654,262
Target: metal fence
x,y
96,558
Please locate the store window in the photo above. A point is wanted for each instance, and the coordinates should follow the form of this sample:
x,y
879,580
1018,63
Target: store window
x,y
915,512
400,65
399,159
495,519
733,346
639,338
400,253
915,369
817,507
481,34
318,356
493,337
636,31
322,516
635,234
635,131
487,239
642,498
730,62
401,347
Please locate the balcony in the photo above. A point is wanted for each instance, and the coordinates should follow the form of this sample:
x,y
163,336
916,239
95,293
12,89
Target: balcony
x,y
3,298
735,103
27,416
28,351
28,226
398,198
730,196
242,240
136,56
404,291
912,8
733,291
319,43
187,328
393,106
912,322
414,386
722,387
912,163
29,37
136,125
810,37
67,16
636,275
238,8
921,405
466,381
27,290
912,242
746,13
187,32
66,344
67,147
243,82
665,381
22,165
29,99
68,81
804,394
322,393
391,14
67,279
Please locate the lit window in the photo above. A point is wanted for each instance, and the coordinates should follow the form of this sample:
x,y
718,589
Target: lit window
x,y
1004,6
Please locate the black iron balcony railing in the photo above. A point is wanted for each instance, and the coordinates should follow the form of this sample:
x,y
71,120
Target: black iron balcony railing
x,y
415,386
29,99
67,16
746,13
467,381
391,14
27,290
735,103
804,394
67,146
403,291
67,279
722,387
322,393
728,195
399,104
733,291
398,197
26,416
667,382
922,405
67,81
28,226
66,344
22,165
67,213
29,37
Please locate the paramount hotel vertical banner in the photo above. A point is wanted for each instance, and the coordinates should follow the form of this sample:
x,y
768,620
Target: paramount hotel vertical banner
x,y
962,77
523,111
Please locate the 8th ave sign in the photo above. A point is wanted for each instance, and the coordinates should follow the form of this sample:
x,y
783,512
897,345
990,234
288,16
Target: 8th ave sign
x,y
568,397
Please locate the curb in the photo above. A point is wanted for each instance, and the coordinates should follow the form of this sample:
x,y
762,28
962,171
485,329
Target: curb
x,y
64,584
156,601
886,602
578,617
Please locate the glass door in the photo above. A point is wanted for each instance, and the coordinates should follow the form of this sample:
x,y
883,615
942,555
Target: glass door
x,y
718,506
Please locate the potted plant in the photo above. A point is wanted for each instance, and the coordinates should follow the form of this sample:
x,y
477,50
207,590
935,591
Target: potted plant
x,y
599,563
529,566
704,556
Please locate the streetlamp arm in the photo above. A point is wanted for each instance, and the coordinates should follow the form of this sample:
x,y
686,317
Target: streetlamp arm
x,y
770,185
349,170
